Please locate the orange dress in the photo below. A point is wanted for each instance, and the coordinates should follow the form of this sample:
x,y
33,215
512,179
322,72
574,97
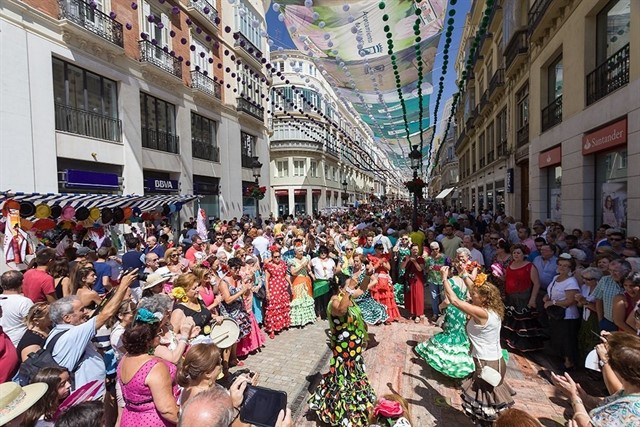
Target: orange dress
x,y
382,291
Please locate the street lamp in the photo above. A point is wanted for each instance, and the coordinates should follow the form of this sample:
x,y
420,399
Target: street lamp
x,y
415,157
345,196
256,166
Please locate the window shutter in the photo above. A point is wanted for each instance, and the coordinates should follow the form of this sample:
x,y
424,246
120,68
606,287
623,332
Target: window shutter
x,y
166,28
146,11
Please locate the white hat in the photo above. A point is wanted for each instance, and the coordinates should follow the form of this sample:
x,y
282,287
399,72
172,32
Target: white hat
x,y
155,279
578,254
14,400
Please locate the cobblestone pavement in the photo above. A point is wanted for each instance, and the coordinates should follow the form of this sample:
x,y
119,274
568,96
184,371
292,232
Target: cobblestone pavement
x,y
294,360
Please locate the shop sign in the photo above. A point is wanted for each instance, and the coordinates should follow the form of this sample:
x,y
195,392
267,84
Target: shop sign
x,y
91,180
551,157
509,180
605,138
161,185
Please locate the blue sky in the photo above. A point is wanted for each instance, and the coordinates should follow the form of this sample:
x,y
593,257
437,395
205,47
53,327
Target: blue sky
x,y
280,36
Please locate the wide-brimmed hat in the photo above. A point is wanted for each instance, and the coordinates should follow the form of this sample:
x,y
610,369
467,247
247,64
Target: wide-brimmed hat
x,y
94,213
82,213
56,211
118,215
68,212
15,400
106,215
27,209
43,211
155,279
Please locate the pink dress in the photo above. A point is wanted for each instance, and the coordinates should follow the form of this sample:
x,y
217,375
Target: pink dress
x,y
256,338
139,409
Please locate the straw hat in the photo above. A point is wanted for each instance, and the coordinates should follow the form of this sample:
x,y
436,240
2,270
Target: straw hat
x,y
94,214
155,279
43,211
14,400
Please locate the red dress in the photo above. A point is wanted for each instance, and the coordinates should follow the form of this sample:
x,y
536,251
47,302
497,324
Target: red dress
x,y
382,291
414,299
276,315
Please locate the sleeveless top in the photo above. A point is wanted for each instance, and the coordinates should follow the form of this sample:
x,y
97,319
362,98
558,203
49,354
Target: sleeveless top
x,y
201,318
485,339
518,279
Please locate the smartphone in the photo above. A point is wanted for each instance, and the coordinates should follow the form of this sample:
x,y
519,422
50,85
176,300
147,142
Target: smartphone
x,y
261,406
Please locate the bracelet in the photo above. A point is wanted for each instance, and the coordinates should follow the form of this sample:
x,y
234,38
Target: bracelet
x,y
349,291
576,401
602,363
464,276
183,339
577,414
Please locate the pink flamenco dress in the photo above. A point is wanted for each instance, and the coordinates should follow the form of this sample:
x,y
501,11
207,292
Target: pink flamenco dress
x,y
139,409
255,339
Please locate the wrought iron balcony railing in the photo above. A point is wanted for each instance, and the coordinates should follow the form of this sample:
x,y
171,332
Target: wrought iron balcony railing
x,y
246,160
155,55
522,135
537,12
552,114
496,81
88,17
206,9
244,43
204,150
612,74
206,84
518,45
87,123
250,108
160,140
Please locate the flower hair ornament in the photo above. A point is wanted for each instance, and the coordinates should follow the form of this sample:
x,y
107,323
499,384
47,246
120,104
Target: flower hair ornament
x,y
387,408
145,316
179,294
481,278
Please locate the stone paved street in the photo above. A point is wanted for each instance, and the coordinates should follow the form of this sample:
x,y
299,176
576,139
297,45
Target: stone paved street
x,y
294,359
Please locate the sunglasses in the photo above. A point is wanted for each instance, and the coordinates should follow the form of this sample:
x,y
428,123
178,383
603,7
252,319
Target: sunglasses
x,y
348,249
275,256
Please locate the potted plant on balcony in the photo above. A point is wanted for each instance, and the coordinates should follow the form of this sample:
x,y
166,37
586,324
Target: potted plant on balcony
x,y
255,192
415,185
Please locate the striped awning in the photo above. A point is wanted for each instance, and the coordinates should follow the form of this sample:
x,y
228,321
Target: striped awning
x,y
444,193
145,203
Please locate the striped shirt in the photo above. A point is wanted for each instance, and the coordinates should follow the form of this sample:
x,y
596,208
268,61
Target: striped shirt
x,y
606,290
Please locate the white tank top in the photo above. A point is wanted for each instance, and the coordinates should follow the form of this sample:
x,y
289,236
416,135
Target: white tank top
x,y
485,339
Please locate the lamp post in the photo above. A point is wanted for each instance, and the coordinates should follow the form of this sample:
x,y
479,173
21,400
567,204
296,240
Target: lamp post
x,y
345,196
416,158
256,166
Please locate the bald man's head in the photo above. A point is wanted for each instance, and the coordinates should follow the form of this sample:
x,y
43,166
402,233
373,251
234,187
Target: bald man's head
x,y
211,408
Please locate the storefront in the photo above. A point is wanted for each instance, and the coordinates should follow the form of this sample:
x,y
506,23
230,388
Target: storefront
x,y
550,163
315,200
282,199
76,176
161,183
609,146
208,188
248,203
300,201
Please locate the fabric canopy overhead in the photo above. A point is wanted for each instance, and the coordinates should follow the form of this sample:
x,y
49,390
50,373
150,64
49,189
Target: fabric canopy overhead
x,y
144,203
387,83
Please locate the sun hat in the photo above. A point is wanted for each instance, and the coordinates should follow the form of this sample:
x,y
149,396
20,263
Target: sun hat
x,y
27,209
43,211
15,400
155,279
118,215
94,213
68,212
82,213
56,211
106,215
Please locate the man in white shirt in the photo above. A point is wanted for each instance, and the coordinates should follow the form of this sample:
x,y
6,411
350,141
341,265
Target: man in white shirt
x,y
15,307
384,240
261,243
476,255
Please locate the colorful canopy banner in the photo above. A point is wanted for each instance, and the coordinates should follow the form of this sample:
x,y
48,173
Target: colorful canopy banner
x,y
378,55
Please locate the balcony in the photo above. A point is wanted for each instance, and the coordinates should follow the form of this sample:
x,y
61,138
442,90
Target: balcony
x,y
460,140
156,56
205,150
206,84
87,123
160,140
484,102
207,11
246,160
537,12
516,49
522,135
245,45
552,114
332,150
609,76
501,149
91,19
250,108
497,81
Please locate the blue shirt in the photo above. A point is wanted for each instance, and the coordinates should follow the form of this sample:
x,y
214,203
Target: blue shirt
x,y
133,259
102,269
546,270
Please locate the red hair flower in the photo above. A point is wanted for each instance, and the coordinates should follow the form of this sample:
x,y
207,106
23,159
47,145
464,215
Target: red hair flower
x,y
387,408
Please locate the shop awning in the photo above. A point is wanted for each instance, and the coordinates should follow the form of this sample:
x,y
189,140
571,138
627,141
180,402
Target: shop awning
x,y
444,193
145,203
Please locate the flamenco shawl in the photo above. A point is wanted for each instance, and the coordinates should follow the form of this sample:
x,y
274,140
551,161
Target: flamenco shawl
x,y
355,316
16,240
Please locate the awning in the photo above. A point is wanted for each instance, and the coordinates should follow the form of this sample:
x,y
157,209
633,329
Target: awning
x,y
300,192
444,193
282,193
144,203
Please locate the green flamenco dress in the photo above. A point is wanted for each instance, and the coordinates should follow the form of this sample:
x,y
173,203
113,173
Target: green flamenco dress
x,y
399,288
344,396
448,351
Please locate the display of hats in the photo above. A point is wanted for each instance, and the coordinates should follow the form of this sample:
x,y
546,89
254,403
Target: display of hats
x,y
82,213
56,211
118,215
44,224
10,204
127,213
27,209
106,215
68,212
43,211
94,213
67,225
165,210
137,211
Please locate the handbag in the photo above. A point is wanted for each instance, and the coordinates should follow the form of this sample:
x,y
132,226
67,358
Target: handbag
x,y
555,312
490,375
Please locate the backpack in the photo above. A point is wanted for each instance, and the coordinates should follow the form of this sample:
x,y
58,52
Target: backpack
x,y
40,359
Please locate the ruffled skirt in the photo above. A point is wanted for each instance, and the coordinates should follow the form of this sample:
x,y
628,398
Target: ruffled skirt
x,y
372,311
521,329
383,293
447,354
253,341
302,306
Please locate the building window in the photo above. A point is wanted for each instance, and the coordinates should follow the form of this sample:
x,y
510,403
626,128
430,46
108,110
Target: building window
x,y
552,113
247,149
159,33
158,124
522,115
299,167
501,133
473,157
245,22
85,103
613,26
204,138
282,168
490,143
481,147
249,85
200,56
554,195
326,172
313,169
611,188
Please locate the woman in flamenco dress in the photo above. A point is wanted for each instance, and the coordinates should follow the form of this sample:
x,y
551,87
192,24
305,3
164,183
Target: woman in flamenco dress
x,y
277,311
372,311
344,396
382,291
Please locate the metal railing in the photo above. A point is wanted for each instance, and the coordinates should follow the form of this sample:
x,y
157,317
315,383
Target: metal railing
x,y
496,81
87,123
461,138
484,100
518,45
552,114
206,9
331,149
501,149
612,74
206,84
204,150
160,140
245,43
90,18
490,157
155,55
246,161
536,13
522,135
249,107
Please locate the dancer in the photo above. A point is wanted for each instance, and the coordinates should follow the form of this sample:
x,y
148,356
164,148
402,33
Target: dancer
x,y
344,396
277,313
372,311
481,401
302,305
382,291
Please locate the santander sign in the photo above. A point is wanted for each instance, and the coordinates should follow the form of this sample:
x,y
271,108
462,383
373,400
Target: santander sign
x,y
605,138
